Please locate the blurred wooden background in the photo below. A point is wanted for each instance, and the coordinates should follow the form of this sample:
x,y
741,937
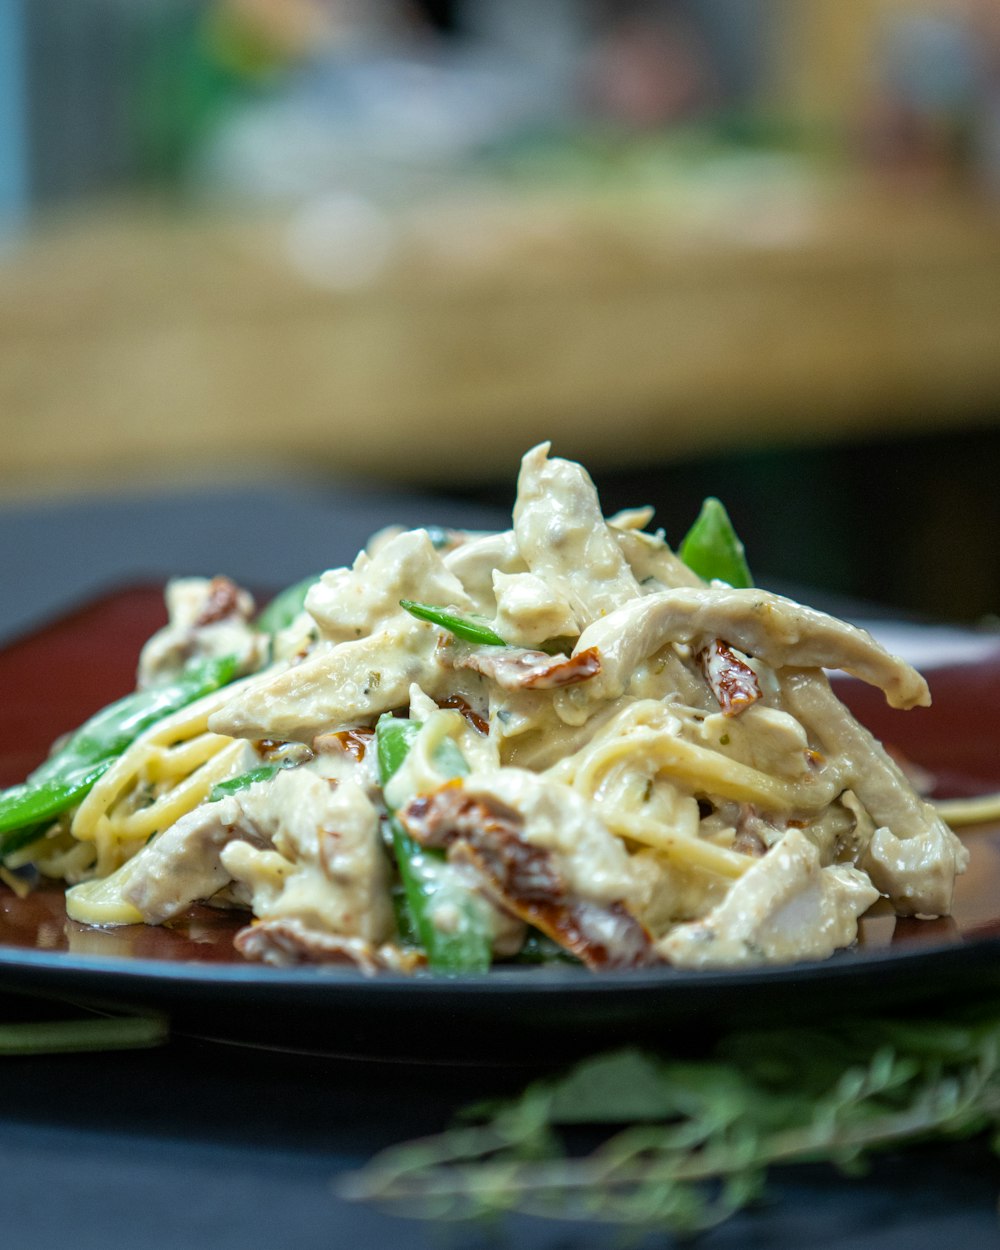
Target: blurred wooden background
x,y
757,303
135,347
746,301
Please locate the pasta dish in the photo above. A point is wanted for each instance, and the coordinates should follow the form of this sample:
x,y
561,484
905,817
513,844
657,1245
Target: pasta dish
x,y
560,741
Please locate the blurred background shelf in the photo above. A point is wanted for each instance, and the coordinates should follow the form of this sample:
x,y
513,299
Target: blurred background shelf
x,y
138,343
743,247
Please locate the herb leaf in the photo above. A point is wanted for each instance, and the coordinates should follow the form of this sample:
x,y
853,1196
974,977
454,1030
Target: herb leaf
x,y
469,628
713,550
703,1133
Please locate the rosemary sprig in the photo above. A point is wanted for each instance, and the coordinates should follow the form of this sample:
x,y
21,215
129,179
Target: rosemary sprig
x,y
125,1031
701,1135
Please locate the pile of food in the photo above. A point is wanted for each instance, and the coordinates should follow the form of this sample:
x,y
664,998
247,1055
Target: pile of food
x,y
559,741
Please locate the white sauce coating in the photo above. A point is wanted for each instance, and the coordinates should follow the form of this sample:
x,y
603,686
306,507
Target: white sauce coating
x,y
666,819
786,907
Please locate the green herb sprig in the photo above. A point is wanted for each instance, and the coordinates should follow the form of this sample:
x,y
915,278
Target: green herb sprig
x,y
132,1030
703,1134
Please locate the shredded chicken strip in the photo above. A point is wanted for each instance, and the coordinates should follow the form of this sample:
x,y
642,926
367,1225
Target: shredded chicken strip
x,y
917,885
761,624
513,668
346,684
564,539
286,943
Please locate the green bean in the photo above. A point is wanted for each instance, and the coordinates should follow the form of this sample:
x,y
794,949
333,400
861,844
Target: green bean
x,y
32,803
712,549
538,948
427,884
443,538
17,838
70,772
440,537
233,785
393,739
469,628
405,926
285,606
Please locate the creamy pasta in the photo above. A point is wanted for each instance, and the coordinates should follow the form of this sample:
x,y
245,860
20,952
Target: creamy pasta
x,y
556,739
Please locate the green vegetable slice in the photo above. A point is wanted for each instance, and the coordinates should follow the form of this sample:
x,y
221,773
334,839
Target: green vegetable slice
x,y
69,774
469,628
285,606
393,739
34,803
17,838
712,549
464,946
233,785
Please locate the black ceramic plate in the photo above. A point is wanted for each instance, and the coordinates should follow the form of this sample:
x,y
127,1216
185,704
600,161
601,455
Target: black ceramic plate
x,y
55,678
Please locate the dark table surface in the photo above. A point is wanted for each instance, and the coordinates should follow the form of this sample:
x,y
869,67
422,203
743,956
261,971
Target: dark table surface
x,y
219,1145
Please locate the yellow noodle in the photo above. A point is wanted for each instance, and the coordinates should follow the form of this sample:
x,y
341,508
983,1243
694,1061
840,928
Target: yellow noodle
x,y
70,863
112,849
705,771
680,848
978,811
190,722
123,775
19,886
169,763
176,802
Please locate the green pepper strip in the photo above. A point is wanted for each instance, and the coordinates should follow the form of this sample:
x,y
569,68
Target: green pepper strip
x,y
285,606
712,549
468,628
263,772
63,780
467,948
